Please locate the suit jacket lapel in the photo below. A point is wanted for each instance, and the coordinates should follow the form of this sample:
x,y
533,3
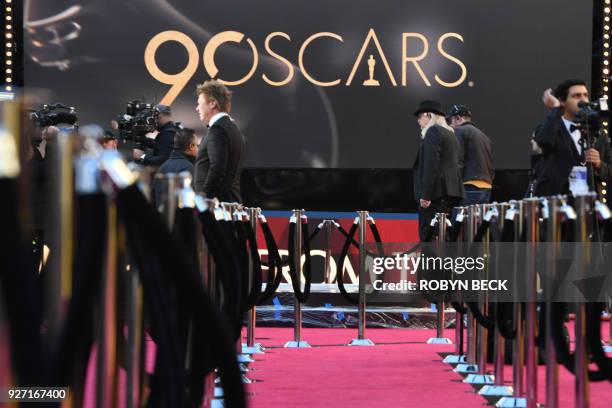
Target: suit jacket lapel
x,y
570,140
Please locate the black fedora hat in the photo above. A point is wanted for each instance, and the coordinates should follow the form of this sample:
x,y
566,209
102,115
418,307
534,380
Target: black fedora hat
x,y
431,107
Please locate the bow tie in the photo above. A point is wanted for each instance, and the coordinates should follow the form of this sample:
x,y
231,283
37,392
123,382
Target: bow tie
x,y
573,128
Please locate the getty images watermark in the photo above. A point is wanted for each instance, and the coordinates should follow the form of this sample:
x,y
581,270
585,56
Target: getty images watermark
x,y
562,272
412,263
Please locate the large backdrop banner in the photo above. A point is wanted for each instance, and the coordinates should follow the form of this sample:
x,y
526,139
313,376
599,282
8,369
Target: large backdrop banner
x,y
316,83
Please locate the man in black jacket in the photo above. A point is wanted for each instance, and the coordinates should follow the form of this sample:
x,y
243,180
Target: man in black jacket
x,y
563,146
184,150
161,145
219,160
476,156
437,176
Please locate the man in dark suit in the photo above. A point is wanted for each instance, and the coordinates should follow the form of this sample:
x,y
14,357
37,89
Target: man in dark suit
x,y
476,156
438,183
219,160
161,144
182,156
563,146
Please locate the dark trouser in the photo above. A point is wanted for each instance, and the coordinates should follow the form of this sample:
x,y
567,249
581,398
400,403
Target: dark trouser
x,y
438,205
476,195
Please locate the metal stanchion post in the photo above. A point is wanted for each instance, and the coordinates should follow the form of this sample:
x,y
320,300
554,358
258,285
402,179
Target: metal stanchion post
x,y
327,266
532,226
207,274
498,388
470,366
297,306
583,209
361,339
59,271
440,320
459,356
516,213
553,232
251,347
481,377
134,336
106,386
608,347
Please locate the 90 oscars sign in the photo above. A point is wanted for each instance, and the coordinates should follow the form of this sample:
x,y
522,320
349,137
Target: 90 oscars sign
x,y
417,41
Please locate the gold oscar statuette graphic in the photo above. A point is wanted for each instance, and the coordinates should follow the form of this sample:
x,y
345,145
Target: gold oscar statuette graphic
x,y
371,65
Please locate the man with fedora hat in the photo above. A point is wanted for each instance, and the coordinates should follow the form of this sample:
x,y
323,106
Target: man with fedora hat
x,y
438,184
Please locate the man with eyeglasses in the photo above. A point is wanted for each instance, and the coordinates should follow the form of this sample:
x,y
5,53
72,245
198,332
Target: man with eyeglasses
x,y
476,156
564,151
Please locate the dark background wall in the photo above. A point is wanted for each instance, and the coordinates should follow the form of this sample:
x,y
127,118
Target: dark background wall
x,y
379,190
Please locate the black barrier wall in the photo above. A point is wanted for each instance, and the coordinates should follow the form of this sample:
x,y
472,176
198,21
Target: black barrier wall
x,y
378,190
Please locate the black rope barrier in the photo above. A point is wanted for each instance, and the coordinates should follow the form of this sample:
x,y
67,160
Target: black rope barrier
x,y
20,291
141,219
256,284
301,295
275,268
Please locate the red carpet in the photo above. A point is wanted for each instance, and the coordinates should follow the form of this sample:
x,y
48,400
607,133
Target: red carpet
x,y
400,371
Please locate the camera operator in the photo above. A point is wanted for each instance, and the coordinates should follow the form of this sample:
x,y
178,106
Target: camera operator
x,y
563,145
162,143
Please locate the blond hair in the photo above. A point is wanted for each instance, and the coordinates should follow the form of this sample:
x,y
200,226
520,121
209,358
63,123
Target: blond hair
x,y
214,90
436,120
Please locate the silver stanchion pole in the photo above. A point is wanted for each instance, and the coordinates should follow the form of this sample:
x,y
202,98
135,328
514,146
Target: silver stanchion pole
x,y
207,269
498,388
488,212
58,287
532,207
608,348
583,208
470,366
251,347
297,306
440,318
361,339
106,378
459,356
327,265
134,336
516,214
553,231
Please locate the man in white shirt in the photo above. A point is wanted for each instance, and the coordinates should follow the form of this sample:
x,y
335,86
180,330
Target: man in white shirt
x,y
219,161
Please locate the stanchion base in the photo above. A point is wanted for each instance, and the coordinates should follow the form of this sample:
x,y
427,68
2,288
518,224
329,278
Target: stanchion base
x,y
361,342
256,349
245,379
508,402
439,340
496,391
217,403
477,379
454,359
218,392
297,344
243,358
466,368
608,349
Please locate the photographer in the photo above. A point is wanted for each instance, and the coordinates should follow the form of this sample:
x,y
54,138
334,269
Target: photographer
x,y
563,145
162,143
